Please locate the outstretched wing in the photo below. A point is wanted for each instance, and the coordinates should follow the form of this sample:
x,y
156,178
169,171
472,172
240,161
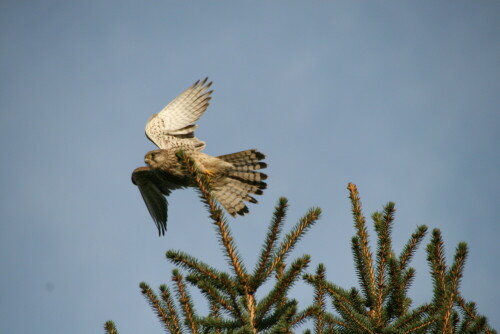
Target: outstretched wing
x,y
173,128
153,192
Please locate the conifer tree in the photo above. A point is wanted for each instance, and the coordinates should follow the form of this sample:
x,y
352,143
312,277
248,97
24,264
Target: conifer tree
x,y
381,305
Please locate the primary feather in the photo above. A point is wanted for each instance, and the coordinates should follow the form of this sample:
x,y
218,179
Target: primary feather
x,y
173,126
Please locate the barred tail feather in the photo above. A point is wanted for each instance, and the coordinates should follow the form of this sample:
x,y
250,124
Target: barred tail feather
x,y
245,161
248,177
241,181
231,197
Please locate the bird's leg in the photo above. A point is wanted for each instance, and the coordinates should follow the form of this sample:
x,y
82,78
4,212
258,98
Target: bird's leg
x,y
208,174
209,169
206,171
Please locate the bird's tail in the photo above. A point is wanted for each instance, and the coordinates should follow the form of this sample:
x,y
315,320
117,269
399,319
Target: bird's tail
x,y
241,181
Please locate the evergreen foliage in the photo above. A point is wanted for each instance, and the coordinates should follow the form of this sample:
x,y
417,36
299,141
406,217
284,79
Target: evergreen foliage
x,y
380,305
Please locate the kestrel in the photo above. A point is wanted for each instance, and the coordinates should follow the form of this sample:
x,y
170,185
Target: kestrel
x,y
231,177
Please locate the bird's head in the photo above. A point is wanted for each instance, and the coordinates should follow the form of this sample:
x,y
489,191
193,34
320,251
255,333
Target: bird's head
x,y
155,159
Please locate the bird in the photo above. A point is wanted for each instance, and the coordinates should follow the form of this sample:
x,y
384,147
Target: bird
x,y
232,178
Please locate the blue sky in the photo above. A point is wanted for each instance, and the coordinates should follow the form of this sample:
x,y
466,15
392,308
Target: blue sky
x,y
400,98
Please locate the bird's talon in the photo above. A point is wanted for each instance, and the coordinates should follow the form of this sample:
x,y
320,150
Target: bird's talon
x,y
209,172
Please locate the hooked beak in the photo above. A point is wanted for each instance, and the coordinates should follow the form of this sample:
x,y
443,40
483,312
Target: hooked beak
x,y
147,159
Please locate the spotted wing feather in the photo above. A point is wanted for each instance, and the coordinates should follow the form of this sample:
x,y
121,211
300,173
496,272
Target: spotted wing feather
x,y
173,128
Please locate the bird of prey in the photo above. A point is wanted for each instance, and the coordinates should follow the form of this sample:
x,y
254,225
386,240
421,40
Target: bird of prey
x,y
231,177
